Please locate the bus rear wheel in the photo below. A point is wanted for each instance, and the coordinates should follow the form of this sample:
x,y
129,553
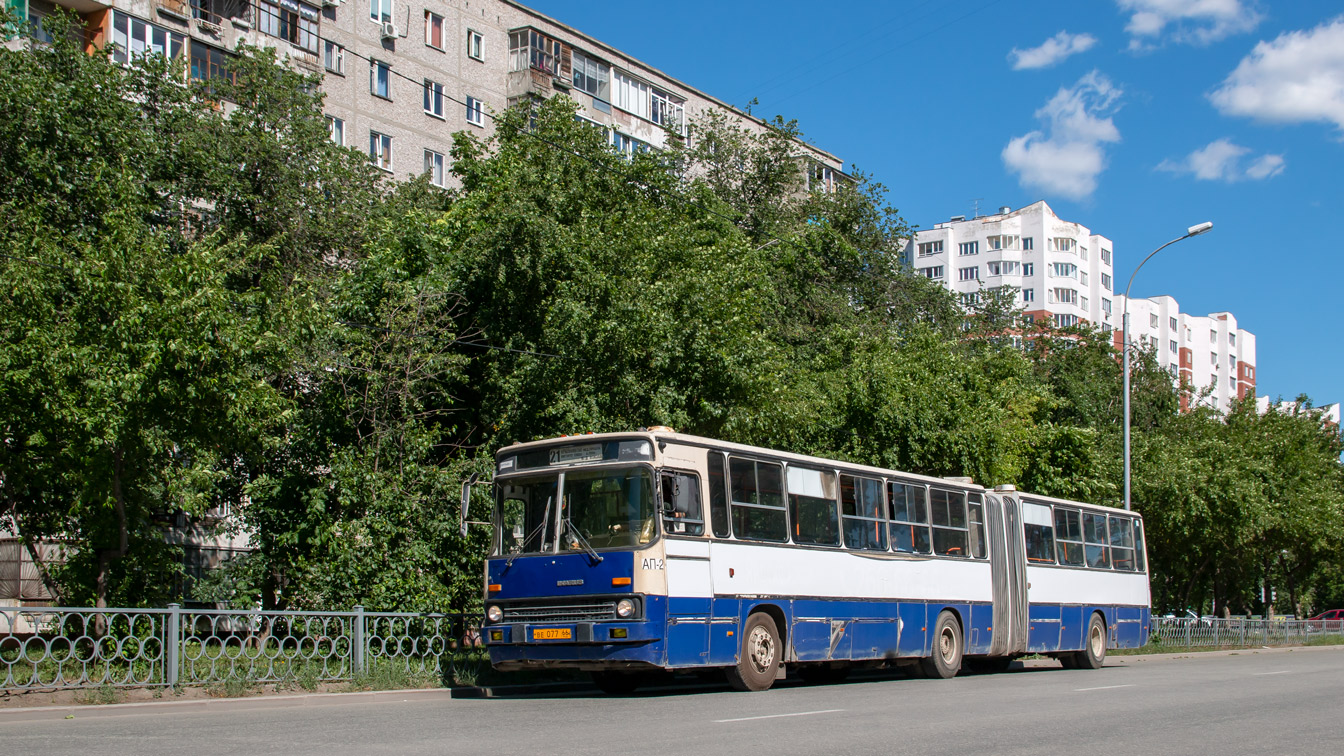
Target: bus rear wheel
x,y
1093,654
945,661
759,661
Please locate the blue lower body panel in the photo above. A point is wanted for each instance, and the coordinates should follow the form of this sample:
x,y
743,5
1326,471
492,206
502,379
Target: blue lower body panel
x,y
689,632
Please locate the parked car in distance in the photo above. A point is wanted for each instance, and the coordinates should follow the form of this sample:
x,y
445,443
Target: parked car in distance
x,y
1333,614
1332,621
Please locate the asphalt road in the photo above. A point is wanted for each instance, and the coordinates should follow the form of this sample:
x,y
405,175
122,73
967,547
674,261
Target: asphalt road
x,y
1248,703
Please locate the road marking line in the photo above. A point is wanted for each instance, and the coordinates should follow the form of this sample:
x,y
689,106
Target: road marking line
x,y
776,716
1104,687
1280,672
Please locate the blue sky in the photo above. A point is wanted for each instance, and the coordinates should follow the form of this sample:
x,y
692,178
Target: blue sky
x,y
1136,118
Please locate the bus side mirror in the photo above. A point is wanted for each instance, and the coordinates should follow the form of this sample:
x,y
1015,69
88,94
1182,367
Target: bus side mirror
x,y
466,499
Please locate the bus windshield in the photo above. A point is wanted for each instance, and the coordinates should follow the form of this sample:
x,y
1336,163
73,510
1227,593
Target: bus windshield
x,y
610,508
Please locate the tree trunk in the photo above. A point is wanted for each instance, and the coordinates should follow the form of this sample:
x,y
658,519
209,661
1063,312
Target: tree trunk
x,y
105,556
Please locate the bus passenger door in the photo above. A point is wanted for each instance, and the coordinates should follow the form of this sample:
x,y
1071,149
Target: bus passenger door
x,y
1008,569
689,592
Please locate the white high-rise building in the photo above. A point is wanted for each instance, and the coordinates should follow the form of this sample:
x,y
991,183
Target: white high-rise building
x,y
1212,358
1063,272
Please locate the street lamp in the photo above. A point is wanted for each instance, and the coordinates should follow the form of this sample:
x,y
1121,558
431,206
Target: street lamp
x,y
1124,334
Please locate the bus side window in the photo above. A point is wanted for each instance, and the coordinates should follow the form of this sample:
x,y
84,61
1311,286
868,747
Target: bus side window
x,y
1138,547
812,506
1069,532
1038,527
758,500
682,514
977,507
1122,543
909,518
864,513
718,496
1094,534
949,522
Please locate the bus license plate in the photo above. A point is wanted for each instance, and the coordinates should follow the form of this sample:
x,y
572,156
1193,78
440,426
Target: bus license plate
x,y
560,633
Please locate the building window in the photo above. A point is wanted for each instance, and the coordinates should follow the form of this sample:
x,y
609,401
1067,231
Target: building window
x,y
475,45
434,167
935,272
1213,358
1082,302
381,11
592,76
1065,321
475,112
531,49
930,248
632,95
1106,281
1232,339
380,150
820,178
336,126
1028,269
434,30
1028,244
380,79
667,111
433,98
1152,320
969,274
1172,322
968,248
1172,345
133,38
209,64
1028,295
1063,270
627,145
1105,256
291,21
333,57
1003,242
969,298
1064,244
1106,305
1213,336
1082,277
1064,296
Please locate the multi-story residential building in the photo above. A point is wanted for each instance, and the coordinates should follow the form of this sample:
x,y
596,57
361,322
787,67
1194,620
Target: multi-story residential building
x,y
1330,414
1211,358
401,76
1063,273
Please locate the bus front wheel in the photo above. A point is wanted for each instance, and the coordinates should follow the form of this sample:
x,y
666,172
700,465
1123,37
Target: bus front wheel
x,y
945,661
759,661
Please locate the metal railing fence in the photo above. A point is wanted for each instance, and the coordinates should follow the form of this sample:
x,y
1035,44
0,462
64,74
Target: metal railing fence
x,y
60,647
1192,632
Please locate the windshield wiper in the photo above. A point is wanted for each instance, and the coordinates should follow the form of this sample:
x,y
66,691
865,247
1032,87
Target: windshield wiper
x,y
545,518
579,539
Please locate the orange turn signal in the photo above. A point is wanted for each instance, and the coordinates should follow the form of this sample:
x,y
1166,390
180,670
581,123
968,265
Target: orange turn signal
x,y
620,581
495,588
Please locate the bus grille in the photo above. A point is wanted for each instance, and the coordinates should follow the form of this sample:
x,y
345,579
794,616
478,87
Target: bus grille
x,y
570,611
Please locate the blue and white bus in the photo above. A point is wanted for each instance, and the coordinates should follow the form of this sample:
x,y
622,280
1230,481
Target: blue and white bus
x,y
624,553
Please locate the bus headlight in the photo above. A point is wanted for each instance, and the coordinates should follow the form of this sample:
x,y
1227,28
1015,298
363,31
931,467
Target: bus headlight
x,y
494,613
625,608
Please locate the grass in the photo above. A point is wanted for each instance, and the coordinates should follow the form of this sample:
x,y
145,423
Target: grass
x,y
1158,647
103,694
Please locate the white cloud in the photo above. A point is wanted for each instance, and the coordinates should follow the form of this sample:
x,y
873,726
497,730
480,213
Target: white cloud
x,y
1297,78
1068,155
1194,21
1051,51
1222,160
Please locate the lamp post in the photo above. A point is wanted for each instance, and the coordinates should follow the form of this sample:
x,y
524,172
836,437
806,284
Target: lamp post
x,y
1124,334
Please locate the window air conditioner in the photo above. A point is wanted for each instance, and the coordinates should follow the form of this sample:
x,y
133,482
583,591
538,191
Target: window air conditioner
x,y
389,30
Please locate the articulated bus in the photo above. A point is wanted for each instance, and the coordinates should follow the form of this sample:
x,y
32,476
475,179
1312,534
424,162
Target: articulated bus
x,y
625,553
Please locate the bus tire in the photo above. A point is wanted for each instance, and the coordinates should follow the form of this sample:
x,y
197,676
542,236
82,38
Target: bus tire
x,y
616,683
1093,654
945,661
761,650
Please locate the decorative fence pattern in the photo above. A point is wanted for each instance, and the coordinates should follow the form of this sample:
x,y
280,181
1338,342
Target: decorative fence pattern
x,y
1191,632
54,648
